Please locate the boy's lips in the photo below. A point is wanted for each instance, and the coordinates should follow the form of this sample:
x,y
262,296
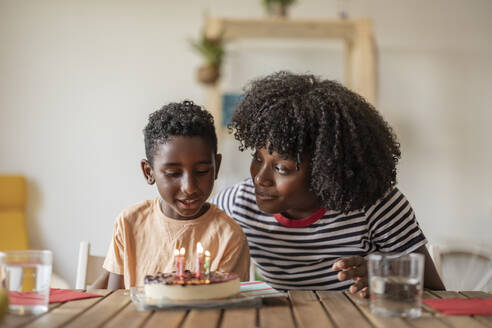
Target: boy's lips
x,y
189,203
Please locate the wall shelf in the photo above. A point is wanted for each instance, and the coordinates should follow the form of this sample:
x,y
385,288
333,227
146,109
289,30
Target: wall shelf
x,y
360,54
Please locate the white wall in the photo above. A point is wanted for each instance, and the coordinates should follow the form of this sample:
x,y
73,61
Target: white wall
x,y
78,79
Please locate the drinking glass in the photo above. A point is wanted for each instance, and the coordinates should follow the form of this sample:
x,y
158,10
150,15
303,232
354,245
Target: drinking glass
x,y
395,284
26,275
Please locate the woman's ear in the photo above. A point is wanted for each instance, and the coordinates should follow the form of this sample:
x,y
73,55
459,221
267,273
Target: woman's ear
x,y
218,159
148,172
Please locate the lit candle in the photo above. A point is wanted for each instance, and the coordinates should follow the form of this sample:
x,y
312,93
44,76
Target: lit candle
x,y
199,260
181,264
176,260
207,263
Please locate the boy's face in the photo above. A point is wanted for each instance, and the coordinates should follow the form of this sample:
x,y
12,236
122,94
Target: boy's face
x,y
280,187
184,171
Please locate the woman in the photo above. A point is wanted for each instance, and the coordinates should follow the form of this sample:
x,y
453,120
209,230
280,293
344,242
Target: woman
x,y
322,191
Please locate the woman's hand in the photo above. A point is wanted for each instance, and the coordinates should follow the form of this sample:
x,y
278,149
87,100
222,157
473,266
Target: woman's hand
x,y
353,268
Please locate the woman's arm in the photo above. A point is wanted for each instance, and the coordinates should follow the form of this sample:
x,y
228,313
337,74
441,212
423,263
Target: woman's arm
x,y
431,277
355,268
115,281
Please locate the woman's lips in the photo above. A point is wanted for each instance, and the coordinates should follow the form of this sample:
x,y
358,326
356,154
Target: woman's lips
x,y
264,196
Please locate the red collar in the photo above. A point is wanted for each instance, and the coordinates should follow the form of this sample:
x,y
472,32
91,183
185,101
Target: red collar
x,y
301,223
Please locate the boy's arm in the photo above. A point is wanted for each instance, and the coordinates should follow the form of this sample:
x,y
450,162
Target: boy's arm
x,y
101,281
237,258
115,281
108,280
113,264
242,264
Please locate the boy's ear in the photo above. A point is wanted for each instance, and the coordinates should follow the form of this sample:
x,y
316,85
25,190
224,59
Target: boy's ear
x,y
147,171
218,159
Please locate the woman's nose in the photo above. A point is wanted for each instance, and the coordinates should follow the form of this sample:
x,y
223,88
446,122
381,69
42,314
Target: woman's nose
x,y
262,179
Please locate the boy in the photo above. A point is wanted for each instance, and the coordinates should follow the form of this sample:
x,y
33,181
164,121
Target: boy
x,y
182,160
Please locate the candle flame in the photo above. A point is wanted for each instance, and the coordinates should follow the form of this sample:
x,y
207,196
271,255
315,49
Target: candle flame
x,y
176,252
207,253
199,248
182,251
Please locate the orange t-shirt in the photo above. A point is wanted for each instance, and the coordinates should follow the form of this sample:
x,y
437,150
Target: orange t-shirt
x,y
144,240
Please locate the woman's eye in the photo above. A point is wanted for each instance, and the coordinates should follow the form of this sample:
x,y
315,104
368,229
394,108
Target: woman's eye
x,y
281,170
255,157
172,174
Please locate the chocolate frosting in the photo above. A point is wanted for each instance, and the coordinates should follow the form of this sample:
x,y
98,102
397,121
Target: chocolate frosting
x,y
189,278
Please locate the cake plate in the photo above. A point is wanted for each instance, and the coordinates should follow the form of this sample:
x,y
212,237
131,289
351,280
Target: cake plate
x,y
250,295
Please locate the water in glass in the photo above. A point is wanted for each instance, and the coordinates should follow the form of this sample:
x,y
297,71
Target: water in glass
x,y
396,296
395,284
28,285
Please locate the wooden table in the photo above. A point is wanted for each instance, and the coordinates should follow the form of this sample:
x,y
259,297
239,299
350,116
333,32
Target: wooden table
x,y
300,309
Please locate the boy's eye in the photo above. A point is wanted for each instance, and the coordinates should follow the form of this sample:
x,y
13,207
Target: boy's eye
x,y
202,172
172,173
202,169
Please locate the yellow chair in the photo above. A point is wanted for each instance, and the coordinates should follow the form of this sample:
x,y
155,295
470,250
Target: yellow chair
x,y
13,232
13,229
13,198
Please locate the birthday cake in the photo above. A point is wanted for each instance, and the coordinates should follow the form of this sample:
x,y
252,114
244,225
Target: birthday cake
x,y
188,287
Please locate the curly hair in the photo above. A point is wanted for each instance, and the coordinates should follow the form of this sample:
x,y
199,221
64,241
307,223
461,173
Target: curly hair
x,y
178,119
353,151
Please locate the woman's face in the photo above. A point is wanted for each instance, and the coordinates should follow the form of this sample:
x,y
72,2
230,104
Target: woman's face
x,y
280,187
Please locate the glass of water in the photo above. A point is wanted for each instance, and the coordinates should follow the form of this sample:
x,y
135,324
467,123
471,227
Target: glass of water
x,y
26,275
395,284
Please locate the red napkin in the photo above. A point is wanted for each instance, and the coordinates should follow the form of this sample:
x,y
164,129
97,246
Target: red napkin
x,y
56,296
63,295
462,306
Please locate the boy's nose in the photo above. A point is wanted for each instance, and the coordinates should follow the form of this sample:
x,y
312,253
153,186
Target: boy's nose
x,y
189,185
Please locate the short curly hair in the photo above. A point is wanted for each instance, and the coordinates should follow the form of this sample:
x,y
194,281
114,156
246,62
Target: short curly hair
x,y
353,151
178,119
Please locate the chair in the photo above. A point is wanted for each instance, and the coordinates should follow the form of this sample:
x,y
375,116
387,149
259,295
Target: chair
x,y
13,228
89,267
463,267
13,196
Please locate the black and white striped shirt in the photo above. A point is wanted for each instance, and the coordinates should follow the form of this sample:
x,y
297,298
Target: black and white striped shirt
x,y
301,258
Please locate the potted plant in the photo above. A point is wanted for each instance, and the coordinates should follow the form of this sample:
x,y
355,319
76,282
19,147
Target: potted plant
x,y
277,8
212,51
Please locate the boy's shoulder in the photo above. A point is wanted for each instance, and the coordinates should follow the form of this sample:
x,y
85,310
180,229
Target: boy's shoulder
x,y
138,211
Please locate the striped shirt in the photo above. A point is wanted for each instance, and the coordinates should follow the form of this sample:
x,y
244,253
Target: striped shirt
x,y
302,257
